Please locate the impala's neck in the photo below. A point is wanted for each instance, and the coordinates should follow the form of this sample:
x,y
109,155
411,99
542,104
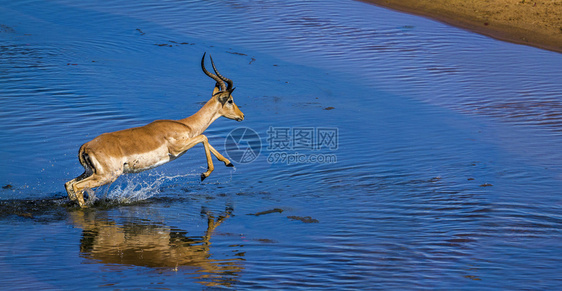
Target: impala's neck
x,y
199,121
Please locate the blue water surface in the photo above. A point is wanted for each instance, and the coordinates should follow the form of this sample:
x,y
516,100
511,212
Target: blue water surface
x,y
443,173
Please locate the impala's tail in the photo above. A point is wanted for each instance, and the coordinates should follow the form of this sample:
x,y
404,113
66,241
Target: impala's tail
x,y
86,162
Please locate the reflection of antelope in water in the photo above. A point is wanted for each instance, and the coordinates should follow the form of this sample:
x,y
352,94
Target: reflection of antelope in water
x,y
156,246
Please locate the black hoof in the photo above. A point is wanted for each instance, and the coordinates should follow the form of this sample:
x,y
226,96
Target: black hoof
x,y
203,177
230,165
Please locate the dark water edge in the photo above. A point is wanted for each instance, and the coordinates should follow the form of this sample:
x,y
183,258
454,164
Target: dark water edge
x,y
448,157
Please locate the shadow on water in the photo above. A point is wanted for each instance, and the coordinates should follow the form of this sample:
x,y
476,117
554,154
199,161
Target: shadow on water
x,y
47,209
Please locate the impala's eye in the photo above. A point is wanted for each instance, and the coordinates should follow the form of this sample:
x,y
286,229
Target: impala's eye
x,y
230,101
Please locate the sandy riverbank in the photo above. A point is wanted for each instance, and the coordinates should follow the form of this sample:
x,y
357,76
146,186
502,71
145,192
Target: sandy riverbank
x,y
535,23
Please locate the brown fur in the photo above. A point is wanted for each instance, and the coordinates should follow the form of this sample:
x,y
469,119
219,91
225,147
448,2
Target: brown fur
x,y
132,150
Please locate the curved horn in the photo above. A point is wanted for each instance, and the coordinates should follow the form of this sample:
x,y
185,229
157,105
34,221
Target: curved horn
x,y
213,76
227,80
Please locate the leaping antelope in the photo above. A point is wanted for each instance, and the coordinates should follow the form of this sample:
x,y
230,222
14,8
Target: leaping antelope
x,y
133,150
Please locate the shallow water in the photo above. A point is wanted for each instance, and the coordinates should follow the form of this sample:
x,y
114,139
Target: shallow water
x,y
444,174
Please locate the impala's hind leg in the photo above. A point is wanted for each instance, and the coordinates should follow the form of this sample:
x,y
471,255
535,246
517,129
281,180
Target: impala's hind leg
x,y
68,185
88,171
93,181
69,190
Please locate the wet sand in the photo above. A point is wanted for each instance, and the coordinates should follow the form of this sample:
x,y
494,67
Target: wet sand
x,y
535,23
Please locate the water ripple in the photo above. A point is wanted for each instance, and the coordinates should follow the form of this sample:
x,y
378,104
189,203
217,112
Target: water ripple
x,y
448,160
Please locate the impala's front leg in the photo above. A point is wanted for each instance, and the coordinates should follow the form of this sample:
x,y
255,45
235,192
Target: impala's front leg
x,y
210,166
177,150
220,157
208,149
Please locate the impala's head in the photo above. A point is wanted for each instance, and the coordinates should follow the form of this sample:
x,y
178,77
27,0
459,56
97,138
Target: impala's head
x,y
223,93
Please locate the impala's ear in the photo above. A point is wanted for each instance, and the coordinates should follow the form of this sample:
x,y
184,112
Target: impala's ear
x,y
217,89
231,90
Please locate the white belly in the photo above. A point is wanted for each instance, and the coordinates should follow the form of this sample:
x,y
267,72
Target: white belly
x,y
141,162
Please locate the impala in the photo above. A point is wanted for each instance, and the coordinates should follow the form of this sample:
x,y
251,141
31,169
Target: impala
x,y
133,150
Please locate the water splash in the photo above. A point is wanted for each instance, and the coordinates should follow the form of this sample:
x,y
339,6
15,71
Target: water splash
x,y
134,188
